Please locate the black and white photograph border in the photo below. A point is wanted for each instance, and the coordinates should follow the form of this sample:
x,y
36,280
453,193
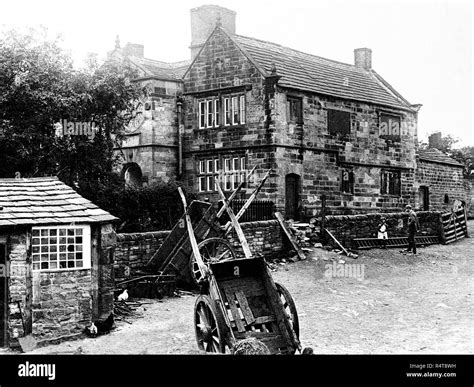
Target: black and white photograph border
x,y
252,177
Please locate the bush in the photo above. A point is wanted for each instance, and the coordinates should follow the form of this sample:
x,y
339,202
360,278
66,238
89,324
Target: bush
x,y
140,209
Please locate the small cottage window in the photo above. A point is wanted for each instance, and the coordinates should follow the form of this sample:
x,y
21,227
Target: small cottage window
x,y
61,248
390,183
295,106
347,181
339,122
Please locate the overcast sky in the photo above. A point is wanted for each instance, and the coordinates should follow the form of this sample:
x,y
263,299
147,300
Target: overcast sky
x,y
423,48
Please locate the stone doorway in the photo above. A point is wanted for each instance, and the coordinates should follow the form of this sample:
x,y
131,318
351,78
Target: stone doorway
x,y
424,198
292,197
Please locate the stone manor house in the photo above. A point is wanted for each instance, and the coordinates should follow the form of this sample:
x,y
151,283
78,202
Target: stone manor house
x,y
322,127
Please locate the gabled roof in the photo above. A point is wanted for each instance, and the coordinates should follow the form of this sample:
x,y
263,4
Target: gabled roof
x,y
436,156
163,70
45,200
312,73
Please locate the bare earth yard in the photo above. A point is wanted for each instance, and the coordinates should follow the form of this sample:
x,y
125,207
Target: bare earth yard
x,y
405,304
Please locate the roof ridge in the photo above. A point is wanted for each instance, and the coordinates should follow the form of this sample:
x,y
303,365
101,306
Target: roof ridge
x,y
299,51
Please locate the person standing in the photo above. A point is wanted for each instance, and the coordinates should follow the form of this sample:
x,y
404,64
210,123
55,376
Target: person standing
x,y
413,228
382,232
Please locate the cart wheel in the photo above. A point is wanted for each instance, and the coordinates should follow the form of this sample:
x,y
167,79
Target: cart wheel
x,y
290,308
209,325
211,250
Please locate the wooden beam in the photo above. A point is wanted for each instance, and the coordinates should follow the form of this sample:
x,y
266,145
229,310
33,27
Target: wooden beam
x,y
337,242
236,191
289,235
235,224
192,238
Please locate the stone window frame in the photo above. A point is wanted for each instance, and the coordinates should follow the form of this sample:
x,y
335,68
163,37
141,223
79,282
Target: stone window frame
x,y
50,253
234,109
337,132
391,115
390,182
206,119
294,117
347,188
229,170
208,172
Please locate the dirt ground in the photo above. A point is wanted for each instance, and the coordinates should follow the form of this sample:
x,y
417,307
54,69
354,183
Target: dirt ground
x,y
404,304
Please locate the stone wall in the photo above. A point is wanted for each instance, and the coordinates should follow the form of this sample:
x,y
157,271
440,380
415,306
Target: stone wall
x,y
19,286
62,303
445,184
134,250
347,227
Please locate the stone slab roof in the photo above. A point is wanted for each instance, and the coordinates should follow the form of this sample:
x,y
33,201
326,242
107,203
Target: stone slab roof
x,y
163,70
45,200
436,156
312,73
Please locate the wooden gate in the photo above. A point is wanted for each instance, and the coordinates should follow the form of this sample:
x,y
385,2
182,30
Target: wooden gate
x,y
454,225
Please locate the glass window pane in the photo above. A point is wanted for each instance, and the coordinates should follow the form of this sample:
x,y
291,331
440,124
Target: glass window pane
x,y
53,241
70,264
44,249
36,232
44,265
36,266
78,239
70,231
36,249
53,232
78,263
78,231
53,265
35,241
44,232
36,257
62,231
44,241
62,265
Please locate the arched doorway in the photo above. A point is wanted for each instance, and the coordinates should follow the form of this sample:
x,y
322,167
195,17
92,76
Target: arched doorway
x,y
132,174
292,196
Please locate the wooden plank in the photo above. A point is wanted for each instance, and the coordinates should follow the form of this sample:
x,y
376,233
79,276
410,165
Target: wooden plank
x,y
278,309
192,238
235,312
253,195
337,242
244,307
264,319
232,196
235,224
289,235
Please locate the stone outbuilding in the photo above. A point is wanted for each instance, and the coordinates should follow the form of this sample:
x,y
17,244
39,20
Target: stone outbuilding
x,y
56,261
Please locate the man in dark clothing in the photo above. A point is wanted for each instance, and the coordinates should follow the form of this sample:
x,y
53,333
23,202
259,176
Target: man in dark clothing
x,y
413,228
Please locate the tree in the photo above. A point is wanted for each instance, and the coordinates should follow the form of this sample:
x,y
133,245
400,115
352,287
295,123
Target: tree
x,y
40,88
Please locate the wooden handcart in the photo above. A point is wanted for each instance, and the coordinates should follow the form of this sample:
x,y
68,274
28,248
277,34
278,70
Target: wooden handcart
x,y
239,298
175,256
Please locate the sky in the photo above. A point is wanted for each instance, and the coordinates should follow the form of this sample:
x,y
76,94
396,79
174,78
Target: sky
x,y
422,48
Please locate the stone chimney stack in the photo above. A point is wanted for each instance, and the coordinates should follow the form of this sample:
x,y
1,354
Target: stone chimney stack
x,y
203,21
363,58
434,140
133,49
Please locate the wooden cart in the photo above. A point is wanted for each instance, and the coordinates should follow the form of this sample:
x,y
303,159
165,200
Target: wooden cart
x,y
239,298
175,256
